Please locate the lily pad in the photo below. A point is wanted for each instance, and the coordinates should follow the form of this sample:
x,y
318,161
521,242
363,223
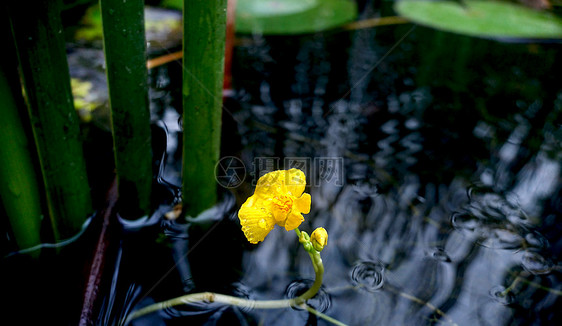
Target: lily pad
x,y
495,19
292,16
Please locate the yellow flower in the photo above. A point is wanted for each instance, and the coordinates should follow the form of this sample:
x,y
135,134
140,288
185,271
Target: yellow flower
x,y
278,199
319,238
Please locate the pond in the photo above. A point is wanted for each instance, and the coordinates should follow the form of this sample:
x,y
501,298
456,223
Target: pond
x,y
433,160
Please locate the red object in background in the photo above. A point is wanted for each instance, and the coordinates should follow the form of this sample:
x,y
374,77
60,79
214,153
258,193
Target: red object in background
x,y
229,45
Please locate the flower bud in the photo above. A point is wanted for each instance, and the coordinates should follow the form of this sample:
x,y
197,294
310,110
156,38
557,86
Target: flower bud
x,y
304,237
319,238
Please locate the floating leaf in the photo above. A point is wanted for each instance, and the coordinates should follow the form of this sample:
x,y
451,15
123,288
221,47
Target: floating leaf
x,y
483,18
292,16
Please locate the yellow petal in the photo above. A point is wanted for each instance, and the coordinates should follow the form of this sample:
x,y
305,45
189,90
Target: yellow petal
x,y
319,238
280,207
279,216
256,221
291,181
276,200
294,219
295,182
302,204
271,184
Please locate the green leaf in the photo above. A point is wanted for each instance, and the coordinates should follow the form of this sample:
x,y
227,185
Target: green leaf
x,y
483,18
292,16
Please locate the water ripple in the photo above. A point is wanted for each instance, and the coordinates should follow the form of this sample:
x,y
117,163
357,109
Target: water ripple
x,y
497,221
241,290
536,240
365,187
536,263
439,254
498,238
368,275
465,222
321,302
499,294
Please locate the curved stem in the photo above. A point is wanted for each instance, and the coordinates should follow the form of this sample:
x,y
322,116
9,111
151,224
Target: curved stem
x,y
299,301
211,297
227,299
319,271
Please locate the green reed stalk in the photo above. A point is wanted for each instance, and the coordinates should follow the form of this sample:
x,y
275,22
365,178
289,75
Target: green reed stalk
x,y
125,54
19,190
40,45
203,70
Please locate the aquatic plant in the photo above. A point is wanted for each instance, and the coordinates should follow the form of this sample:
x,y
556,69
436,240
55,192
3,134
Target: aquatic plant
x,y
204,24
19,185
39,44
125,55
319,238
46,83
278,199
488,19
291,17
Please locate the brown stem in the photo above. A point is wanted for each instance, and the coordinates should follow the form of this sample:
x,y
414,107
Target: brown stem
x,y
93,282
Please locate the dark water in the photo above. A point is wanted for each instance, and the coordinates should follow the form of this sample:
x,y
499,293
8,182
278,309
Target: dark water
x,y
434,164
433,160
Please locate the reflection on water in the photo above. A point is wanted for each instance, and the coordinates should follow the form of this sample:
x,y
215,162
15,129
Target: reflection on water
x,y
451,147
449,206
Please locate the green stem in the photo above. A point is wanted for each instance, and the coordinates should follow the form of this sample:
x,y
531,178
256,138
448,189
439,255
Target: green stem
x,y
510,287
321,315
203,64
39,39
299,301
319,271
316,260
210,297
125,55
